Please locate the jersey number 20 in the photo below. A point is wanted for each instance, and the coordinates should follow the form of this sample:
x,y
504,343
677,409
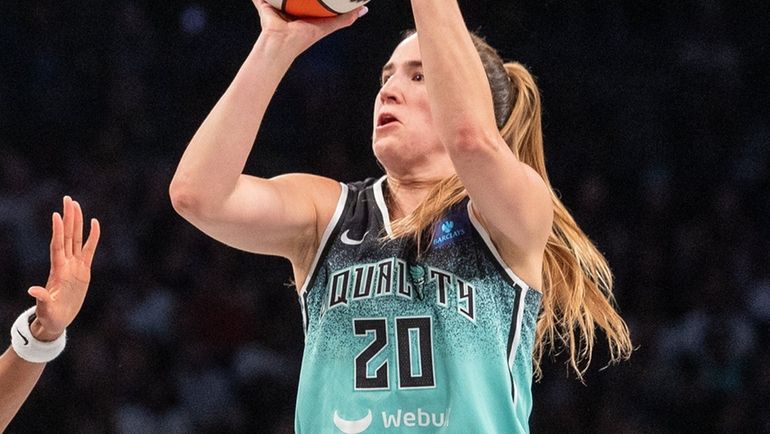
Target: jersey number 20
x,y
414,353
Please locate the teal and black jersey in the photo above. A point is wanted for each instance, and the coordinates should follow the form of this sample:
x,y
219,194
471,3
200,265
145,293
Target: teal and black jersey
x,y
399,343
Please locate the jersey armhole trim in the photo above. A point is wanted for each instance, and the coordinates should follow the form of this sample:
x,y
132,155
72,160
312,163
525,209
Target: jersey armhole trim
x,y
325,238
492,249
517,325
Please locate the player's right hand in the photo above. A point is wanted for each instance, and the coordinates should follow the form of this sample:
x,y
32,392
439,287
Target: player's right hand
x,y
303,32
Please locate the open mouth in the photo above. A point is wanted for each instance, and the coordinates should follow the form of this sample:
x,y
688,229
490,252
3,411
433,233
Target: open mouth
x,y
385,119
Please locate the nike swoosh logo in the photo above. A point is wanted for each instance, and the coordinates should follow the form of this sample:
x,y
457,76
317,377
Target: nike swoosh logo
x,y
353,426
351,242
26,341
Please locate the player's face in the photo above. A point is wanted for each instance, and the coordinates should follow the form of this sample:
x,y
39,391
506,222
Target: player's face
x,y
404,135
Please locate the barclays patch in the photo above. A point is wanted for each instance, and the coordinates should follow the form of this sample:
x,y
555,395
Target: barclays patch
x,y
448,231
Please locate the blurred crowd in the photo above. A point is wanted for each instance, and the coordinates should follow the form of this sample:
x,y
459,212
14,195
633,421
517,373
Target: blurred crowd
x,y
657,137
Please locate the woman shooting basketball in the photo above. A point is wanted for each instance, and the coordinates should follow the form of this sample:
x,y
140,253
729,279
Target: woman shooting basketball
x,y
426,294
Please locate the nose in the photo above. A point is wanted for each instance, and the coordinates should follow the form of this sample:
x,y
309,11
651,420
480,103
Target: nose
x,y
390,92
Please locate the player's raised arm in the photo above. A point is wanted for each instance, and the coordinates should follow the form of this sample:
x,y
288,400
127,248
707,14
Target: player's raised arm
x,y
516,207
273,216
488,116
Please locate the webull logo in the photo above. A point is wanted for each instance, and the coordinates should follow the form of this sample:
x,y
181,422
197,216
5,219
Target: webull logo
x,y
399,420
353,426
419,418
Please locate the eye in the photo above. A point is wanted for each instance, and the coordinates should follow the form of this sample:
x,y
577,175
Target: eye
x,y
384,79
418,77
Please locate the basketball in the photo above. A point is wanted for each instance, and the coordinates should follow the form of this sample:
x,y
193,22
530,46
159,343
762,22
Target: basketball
x,y
316,8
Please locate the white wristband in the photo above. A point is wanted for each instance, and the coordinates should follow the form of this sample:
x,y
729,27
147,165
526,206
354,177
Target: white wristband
x,y
31,349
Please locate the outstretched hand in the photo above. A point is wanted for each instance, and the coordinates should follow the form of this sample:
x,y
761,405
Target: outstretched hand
x,y
307,31
61,299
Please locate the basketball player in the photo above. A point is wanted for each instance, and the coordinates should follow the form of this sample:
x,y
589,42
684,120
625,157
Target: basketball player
x,y
428,295
38,335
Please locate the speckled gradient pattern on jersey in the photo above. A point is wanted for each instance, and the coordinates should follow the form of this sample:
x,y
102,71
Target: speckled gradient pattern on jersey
x,y
472,324
523,359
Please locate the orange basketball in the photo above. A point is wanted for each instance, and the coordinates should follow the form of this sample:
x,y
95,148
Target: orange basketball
x,y
316,8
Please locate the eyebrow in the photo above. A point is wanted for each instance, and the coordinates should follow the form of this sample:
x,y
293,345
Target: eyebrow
x,y
412,64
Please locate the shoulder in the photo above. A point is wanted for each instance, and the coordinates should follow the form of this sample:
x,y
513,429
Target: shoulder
x,y
364,185
332,200
321,185
321,191
307,182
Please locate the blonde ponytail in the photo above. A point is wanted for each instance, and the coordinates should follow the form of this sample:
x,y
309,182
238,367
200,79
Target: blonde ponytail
x,y
577,281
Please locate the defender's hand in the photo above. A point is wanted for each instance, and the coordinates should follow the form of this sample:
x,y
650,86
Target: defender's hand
x,y
61,299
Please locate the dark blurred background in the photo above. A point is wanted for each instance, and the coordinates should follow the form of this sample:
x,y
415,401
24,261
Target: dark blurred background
x,y
657,135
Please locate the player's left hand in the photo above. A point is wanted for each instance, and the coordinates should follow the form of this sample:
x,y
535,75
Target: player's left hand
x,y
61,299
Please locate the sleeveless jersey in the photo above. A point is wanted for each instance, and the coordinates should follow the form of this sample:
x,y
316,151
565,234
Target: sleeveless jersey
x,y
399,343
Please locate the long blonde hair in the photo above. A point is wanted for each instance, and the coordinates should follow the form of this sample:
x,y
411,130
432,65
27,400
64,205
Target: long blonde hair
x,y
577,281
